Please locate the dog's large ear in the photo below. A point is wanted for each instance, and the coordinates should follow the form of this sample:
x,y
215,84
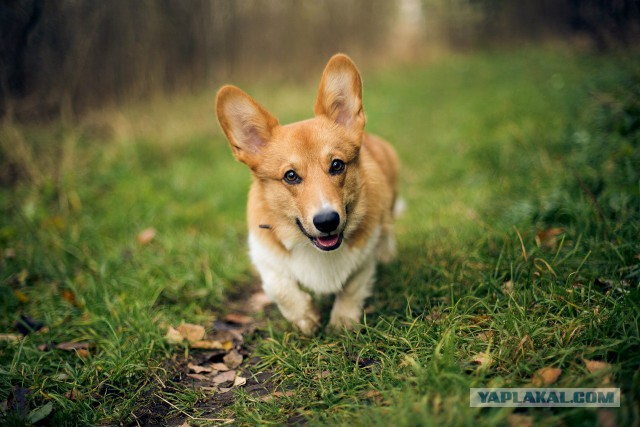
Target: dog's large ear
x,y
247,125
340,94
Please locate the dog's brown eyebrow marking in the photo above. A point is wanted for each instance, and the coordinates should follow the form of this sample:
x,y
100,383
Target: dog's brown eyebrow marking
x,y
265,226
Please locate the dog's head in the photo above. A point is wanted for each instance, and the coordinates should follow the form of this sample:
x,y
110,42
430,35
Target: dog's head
x,y
308,171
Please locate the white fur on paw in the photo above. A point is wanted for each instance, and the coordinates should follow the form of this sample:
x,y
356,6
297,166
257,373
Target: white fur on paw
x,y
345,320
308,324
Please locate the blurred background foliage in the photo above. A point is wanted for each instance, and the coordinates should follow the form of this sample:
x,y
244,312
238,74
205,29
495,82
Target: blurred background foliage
x,y
62,58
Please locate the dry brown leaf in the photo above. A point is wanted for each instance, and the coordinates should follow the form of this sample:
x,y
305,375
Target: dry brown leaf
x,y
191,332
240,319
83,352
518,420
198,369
606,418
198,377
507,287
9,253
595,366
485,336
173,336
223,377
233,359
483,359
323,374
69,296
146,236
545,376
72,395
70,346
239,381
219,367
10,337
548,238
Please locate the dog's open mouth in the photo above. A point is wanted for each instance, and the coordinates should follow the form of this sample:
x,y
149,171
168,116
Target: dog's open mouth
x,y
328,243
325,243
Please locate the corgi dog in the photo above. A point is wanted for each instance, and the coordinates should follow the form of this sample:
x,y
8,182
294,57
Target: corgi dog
x,y
320,206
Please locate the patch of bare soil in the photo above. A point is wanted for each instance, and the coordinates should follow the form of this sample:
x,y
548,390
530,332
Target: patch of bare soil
x,y
215,366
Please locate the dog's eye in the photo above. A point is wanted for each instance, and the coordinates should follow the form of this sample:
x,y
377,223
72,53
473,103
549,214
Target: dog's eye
x,y
337,166
291,177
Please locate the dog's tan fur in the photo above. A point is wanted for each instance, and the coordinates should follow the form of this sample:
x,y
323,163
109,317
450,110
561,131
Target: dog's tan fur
x,y
363,195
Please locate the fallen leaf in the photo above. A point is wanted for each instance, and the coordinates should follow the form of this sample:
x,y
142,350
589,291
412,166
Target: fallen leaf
x,y
433,315
240,319
72,395
20,402
199,369
185,424
485,336
173,336
9,253
606,418
68,296
323,374
595,366
507,287
223,377
212,345
223,390
258,302
39,414
482,359
518,420
220,367
82,352
239,381
198,377
21,296
10,337
233,359
71,345
191,332
146,236
545,376
547,239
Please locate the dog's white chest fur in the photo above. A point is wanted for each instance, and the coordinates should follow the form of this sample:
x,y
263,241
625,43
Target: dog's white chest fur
x,y
320,272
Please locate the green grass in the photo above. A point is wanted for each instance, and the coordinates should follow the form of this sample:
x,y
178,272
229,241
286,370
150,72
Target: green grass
x,y
496,147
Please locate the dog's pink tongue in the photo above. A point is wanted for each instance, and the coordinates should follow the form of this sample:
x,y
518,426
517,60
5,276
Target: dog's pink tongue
x,y
328,241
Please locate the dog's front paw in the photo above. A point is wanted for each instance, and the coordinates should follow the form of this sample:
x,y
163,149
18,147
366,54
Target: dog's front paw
x,y
308,325
341,320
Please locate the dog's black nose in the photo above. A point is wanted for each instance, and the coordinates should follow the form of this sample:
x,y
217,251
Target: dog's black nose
x,y
326,221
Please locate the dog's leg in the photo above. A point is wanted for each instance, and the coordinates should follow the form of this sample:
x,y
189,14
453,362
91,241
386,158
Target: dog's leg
x,y
347,308
294,304
386,250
